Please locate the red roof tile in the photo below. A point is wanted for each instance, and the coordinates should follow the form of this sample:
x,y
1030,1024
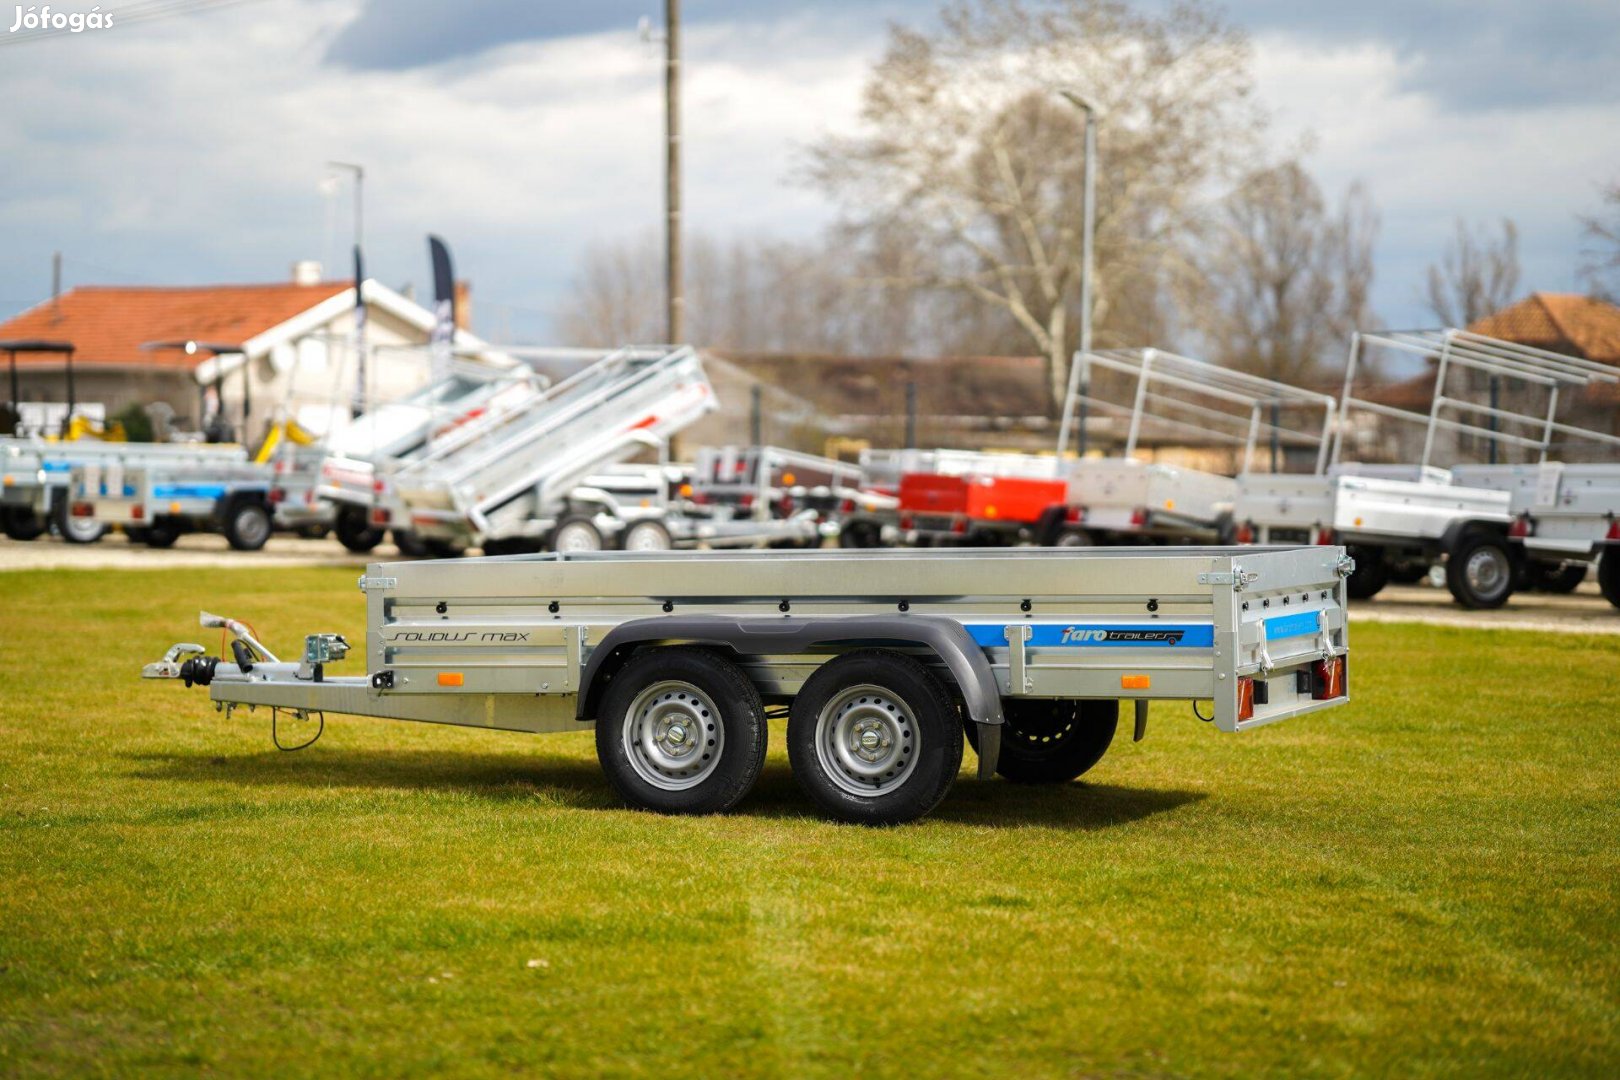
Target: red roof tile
x,y
1562,322
109,324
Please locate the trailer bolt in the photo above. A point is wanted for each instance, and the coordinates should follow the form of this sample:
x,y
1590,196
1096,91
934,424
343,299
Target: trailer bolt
x,y
1153,605
784,606
555,607
1024,605
905,605
441,607
668,607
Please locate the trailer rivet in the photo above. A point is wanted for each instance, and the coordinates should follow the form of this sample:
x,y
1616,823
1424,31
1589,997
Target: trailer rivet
x,y
441,607
555,607
1024,605
905,605
1153,605
784,606
668,606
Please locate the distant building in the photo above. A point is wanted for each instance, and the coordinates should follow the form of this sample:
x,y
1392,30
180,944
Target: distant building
x,y
293,345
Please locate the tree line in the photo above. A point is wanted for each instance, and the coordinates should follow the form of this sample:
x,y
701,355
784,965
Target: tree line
x,y
959,229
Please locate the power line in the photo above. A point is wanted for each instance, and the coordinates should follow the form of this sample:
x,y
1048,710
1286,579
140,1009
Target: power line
x,y
148,11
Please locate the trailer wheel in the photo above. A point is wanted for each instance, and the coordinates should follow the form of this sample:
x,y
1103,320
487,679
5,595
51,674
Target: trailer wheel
x,y
681,731
1051,741
874,738
1609,574
354,530
162,533
1553,578
1370,576
75,530
860,534
409,544
1075,538
247,526
1479,572
647,536
21,523
576,534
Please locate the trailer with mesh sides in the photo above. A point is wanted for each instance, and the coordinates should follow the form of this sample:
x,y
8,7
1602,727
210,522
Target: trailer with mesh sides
x,y
881,663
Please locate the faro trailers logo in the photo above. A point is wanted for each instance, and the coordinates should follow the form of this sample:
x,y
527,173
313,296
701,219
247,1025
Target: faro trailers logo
x,y
1074,635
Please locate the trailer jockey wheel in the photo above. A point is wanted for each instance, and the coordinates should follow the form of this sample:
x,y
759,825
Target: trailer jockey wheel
x,y
1051,741
874,738
21,523
1480,571
681,731
247,526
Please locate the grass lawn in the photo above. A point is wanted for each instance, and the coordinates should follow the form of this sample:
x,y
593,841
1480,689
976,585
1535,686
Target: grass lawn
x,y
1425,883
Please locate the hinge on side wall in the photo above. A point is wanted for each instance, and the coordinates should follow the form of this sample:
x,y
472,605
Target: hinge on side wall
x,y
1237,577
369,583
1017,661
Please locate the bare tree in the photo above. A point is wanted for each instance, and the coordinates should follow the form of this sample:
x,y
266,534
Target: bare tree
x,y
968,152
1600,263
1283,279
1476,276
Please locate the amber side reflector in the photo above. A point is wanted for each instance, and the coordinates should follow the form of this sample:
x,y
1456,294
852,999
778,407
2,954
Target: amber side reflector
x,y
450,678
1245,699
1135,682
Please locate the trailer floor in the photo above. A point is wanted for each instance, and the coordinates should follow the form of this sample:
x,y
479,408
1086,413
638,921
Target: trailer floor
x,y
1424,883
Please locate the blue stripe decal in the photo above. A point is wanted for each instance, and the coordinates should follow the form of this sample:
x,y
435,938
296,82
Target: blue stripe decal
x,y
188,491
1286,626
56,466
1107,635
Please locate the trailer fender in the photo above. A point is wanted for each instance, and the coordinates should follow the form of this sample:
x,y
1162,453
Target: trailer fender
x,y
946,638
1455,531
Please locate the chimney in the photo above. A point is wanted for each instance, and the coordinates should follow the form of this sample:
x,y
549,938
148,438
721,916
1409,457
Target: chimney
x,y
306,272
464,305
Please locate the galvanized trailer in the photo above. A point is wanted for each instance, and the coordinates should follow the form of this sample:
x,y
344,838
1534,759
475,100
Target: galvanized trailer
x,y
1400,520
159,501
511,484
881,660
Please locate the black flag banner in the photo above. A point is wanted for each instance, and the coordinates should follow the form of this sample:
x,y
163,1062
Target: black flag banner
x,y
444,308
359,403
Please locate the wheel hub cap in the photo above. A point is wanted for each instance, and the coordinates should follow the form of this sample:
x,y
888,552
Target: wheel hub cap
x,y
1486,571
673,735
866,740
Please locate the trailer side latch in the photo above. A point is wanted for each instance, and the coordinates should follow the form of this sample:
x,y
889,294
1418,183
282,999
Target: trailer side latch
x,y
368,583
382,680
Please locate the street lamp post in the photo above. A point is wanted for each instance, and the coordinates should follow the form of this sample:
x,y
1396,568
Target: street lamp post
x,y
1088,266
360,400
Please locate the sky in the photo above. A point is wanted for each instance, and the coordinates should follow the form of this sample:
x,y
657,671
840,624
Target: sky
x,y
192,147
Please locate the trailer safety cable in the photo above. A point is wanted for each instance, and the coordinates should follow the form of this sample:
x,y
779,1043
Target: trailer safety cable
x,y
1201,716
275,732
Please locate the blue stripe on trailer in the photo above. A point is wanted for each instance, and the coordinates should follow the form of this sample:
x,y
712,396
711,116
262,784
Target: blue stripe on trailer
x,y
1108,635
188,491
56,466
1286,626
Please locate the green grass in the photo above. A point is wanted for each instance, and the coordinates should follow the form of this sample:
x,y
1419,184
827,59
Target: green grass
x,y
1424,883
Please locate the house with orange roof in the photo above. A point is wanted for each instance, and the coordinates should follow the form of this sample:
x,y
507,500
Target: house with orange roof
x,y
237,356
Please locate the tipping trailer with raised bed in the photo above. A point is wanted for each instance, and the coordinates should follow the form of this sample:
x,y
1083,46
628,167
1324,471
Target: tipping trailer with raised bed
x,y
881,661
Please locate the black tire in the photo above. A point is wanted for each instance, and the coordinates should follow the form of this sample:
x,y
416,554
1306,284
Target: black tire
x,y
409,544
517,545
1075,538
311,532
917,750
860,534
576,534
75,530
1480,571
136,534
1371,574
162,533
691,687
248,526
444,549
354,529
1051,741
21,523
1609,574
1554,578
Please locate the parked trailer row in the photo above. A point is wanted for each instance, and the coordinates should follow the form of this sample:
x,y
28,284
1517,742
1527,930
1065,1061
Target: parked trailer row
x,y
883,661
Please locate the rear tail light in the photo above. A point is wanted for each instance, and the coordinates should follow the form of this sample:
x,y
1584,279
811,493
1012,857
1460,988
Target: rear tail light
x,y
746,501
1139,516
1614,530
1323,537
1327,678
1244,534
959,526
1245,702
1074,515
137,512
847,506
1521,527
908,521
380,516
83,510
277,495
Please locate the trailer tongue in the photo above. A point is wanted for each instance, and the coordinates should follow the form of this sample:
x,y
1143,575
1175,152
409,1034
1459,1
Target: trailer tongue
x,y
884,659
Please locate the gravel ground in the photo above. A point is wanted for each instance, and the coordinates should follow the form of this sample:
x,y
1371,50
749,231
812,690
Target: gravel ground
x,y
1584,611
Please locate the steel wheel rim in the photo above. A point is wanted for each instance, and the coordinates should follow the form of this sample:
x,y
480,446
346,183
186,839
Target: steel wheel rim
x,y
673,735
83,528
252,527
867,740
1487,571
646,537
577,536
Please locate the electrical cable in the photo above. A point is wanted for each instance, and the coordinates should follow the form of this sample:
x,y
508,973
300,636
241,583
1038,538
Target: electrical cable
x,y
275,732
1201,716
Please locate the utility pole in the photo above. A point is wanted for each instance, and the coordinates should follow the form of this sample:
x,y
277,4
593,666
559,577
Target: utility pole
x,y
673,286
1088,266
56,284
